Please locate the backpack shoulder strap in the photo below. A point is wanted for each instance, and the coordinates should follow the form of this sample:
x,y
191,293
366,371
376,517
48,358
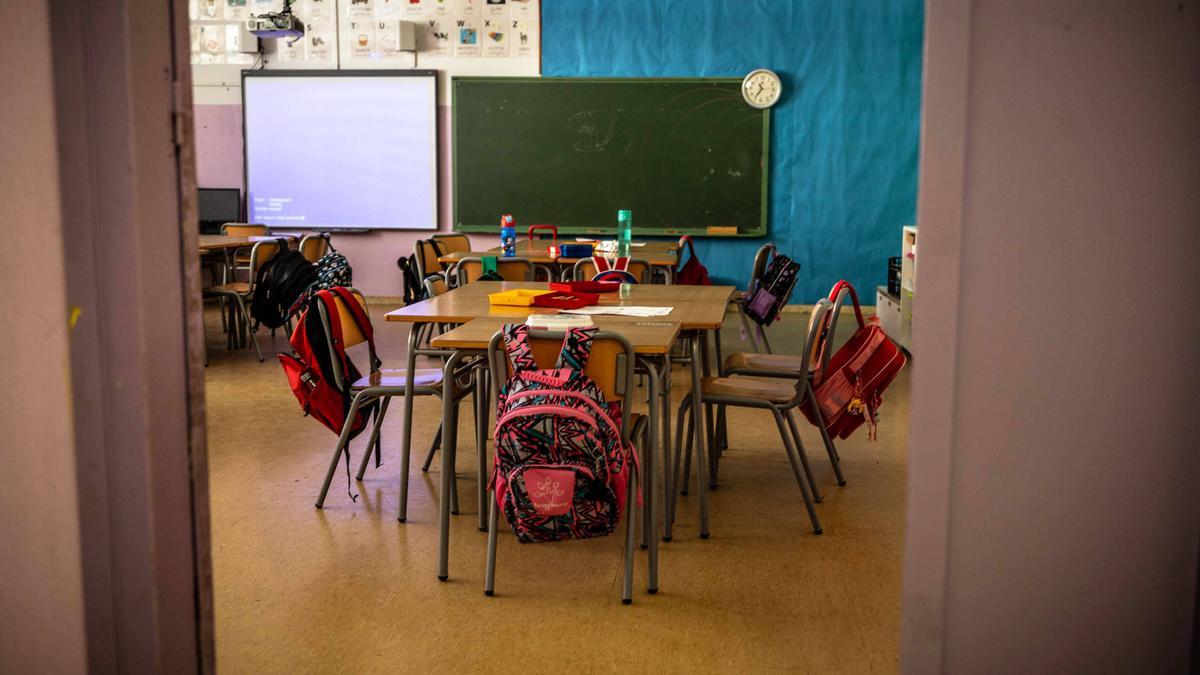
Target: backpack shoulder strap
x,y
576,348
600,263
516,345
622,264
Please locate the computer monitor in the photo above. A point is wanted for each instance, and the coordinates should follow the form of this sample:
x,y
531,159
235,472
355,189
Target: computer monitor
x,y
218,206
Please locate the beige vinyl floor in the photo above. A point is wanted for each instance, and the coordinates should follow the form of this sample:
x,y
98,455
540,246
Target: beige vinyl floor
x,y
350,589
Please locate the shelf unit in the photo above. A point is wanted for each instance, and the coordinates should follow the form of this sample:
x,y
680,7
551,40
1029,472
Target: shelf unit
x,y
895,313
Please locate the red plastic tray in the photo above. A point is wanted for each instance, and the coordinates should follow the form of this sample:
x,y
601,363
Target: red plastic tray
x,y
586,286
566,299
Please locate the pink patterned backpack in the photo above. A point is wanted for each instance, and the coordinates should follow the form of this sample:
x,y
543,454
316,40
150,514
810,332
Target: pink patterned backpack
x,y
561,470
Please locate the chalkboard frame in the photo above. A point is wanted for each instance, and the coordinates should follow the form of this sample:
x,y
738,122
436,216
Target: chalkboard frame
x,y
758,231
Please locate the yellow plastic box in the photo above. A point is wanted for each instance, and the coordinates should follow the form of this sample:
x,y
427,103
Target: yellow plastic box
x,y
521,297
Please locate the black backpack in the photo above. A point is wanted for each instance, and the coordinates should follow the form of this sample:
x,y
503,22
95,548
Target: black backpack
x,y
773,290
412,287
281,286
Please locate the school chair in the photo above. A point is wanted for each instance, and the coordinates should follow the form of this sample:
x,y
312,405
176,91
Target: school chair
x,y
779,396
241,256
740,299
611,366
378,385
427,252
435,285
453,242
314,246
240,292
584,269
809,367
470,269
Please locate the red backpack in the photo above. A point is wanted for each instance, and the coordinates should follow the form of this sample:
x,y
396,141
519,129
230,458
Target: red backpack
x,y
850,389
310,372
693,272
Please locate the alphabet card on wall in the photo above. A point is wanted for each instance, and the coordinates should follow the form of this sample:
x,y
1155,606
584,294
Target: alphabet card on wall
x,y
466,30
495,37
467,8
434,38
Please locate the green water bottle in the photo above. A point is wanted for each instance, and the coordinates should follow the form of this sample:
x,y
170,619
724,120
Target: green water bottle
x,y
624,233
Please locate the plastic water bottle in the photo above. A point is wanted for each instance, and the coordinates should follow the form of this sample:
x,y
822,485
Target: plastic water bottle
x,y
624,233
508,235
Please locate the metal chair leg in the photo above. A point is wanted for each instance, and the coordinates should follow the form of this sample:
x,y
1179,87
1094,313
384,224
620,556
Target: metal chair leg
x,y
414,334
373,444
249,328
631,515
482,397
762,333
714,454
746,328
673,469
343,439
433,446
687,455
489,577
791,453
830,449
803,456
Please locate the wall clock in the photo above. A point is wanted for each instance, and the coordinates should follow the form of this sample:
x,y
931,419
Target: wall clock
x,y
762,88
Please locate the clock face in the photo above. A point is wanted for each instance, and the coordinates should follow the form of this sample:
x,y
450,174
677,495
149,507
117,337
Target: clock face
x,y
762,88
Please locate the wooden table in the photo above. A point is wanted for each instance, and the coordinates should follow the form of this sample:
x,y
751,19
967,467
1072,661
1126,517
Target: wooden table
x,y
696,309
218,242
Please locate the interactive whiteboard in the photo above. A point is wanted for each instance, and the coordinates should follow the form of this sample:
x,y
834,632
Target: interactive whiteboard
x,y
341,149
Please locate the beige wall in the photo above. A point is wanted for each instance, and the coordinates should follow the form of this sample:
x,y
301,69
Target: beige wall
x,y
1053,520
41,596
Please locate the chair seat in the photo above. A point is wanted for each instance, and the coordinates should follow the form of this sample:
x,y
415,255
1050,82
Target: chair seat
x,y
770,389
423,377
240,287
772,362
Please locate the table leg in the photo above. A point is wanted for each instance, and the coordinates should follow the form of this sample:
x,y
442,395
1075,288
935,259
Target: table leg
x,y
699,434
713,457
482,404
647,480
449,439
414,336
668,477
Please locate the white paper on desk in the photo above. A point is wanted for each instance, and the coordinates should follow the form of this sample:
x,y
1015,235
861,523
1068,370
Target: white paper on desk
x,y
620,311
611,244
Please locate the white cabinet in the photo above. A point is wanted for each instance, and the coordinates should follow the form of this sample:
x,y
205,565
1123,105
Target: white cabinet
x,y
887,309
895,313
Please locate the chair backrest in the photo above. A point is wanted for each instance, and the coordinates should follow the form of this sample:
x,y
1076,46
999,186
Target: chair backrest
x,y
835,311
313,246
816,340
243,230
427,257
453,242
761,257
467,270
435,285
610,364
261,252
585,269
351,335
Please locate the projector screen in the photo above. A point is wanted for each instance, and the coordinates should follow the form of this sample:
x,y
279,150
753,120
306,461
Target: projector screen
x,y
341,149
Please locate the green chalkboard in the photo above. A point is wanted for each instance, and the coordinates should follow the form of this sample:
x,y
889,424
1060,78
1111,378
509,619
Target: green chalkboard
x,y
683,154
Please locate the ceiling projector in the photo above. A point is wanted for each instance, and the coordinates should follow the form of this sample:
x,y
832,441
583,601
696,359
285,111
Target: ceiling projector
x,y
277,24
